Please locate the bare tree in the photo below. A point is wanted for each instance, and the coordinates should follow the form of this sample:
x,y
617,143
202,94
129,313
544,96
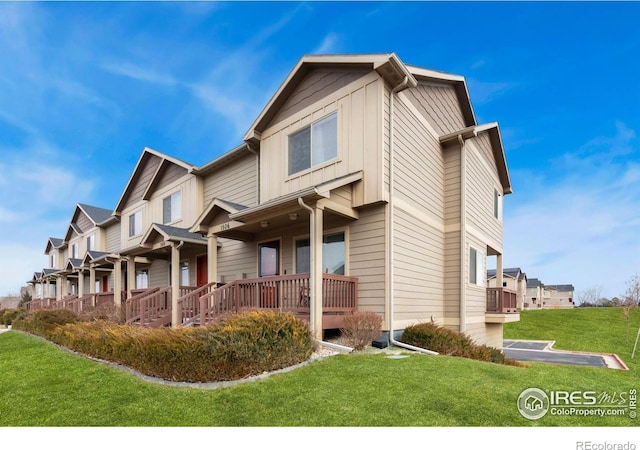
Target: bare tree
x,y
631,299
590,296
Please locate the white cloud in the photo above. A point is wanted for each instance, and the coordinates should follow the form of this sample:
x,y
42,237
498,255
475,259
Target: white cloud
x,y
328,44
580,223
486,91
139,73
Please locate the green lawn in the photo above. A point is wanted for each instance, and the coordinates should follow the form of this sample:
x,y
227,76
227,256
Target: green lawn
x,y
45,386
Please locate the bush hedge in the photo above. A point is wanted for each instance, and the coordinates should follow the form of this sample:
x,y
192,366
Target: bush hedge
x,y
237,347
449,342
44,321
7,316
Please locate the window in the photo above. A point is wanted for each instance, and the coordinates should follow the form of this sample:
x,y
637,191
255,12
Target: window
x,y
313,144
497,204
52,260
476,267
142,279
91,241
333,254
184,273
135,224
172,208
74,250
269,254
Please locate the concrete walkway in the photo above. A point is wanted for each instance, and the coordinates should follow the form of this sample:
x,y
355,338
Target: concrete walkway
x,y
542,351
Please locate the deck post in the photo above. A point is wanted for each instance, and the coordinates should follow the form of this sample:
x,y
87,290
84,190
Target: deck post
x,y
131,275
175,283
212,255
316,272
80,283
92,280
117,283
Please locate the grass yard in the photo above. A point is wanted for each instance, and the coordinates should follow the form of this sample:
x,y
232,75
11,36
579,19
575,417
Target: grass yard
x,y
45,386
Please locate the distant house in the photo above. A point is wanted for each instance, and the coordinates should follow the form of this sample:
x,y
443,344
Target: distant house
x,y
364,183
539,295
514,279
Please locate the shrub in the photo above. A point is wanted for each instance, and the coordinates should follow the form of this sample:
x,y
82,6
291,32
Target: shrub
x,y
452,343
106,312
239,346
7,316
44,321
360,328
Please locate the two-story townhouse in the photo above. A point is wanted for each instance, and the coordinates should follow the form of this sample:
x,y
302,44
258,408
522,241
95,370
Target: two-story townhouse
x,y
559,296
375,171
513,279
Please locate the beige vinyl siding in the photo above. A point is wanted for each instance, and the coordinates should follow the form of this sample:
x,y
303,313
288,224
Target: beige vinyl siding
x,y
148,170
315,86
438,103
358,106
84,222
367,257
170,175
112,239
452,233
482,181
158,273
418,220
236,260
235,182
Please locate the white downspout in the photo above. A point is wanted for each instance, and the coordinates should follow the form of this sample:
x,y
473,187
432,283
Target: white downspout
x,y
391,228
463,235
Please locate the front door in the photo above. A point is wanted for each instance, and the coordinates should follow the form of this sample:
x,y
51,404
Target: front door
x,y
202,270
269,259
268,266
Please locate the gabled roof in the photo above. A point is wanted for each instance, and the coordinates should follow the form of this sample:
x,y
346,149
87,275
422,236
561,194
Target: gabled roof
x,y
223,160
97,215
534,282
54,243
148,153
47,271
74,263
170,233
561,287
216,206
388,65
496,145
512,272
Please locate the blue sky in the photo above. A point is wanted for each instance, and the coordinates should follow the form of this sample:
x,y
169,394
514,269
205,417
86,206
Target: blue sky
x,y
84,87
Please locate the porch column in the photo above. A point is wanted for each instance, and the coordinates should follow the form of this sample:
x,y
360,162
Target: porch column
x,y
175,283
315,239
499,271
48,289
131,275
42,288
212,258
92,280
117,282
59,287
80,283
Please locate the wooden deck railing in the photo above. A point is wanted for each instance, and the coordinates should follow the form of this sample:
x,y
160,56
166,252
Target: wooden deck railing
x,y
288,293
151,309
132,304
501,301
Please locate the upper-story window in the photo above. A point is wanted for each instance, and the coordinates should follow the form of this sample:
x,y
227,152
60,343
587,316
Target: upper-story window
x,y
52,260
91,242
172,208
476,267
497,204
135,224
314,144
74,250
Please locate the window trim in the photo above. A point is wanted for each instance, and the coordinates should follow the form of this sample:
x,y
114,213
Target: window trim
x,y
498,205
311,165
133,214
170,197
91,239
478,264
347,244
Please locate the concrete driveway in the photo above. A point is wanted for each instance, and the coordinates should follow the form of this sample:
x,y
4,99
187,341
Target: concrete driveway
x,y
542,351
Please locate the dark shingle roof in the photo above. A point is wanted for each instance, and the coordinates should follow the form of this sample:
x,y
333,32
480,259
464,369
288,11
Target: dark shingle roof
x,y
55,242
534,282
561,287
513,272
98,215
176,232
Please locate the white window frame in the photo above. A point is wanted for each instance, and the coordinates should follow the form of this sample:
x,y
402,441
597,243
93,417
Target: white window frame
x,y
74,250
91,242
476,267
343,230
174,202
498,202
313,161
137,224
142,279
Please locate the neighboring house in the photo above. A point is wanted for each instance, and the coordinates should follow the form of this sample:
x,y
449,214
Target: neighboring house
x,y
550,296
513,279
364,182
